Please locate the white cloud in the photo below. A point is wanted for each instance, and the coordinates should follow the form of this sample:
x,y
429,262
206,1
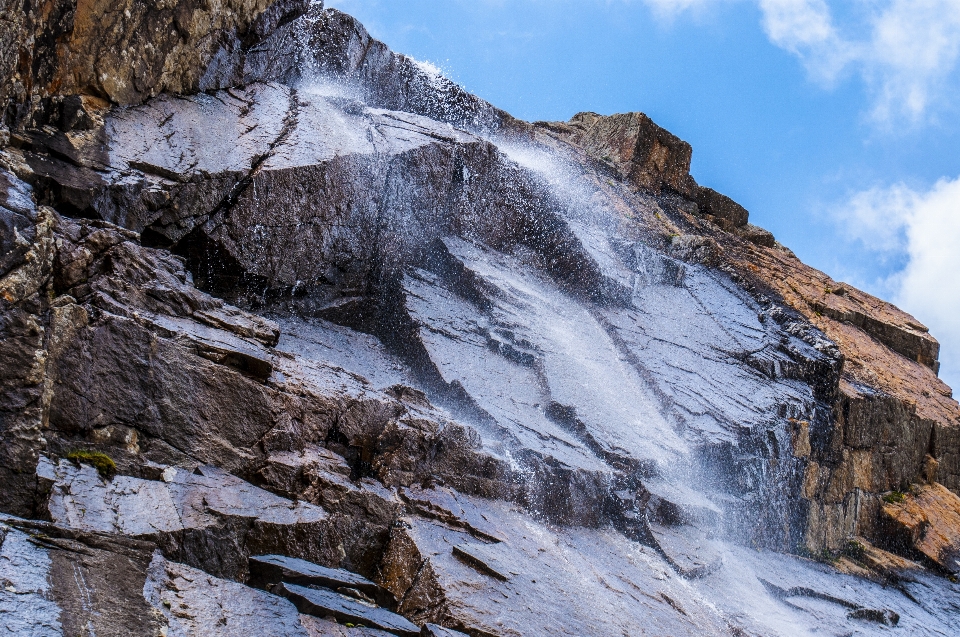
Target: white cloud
x,y
915,46
806,29
903,49
928,286
878,217
923,227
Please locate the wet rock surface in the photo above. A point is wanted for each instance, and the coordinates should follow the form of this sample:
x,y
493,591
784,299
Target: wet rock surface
x,y
323,603
267,571
301,338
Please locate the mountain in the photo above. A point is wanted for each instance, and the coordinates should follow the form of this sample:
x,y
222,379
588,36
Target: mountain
x,y
301,338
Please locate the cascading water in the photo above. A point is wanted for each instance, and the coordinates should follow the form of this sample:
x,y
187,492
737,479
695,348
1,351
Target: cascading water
x,y
623,386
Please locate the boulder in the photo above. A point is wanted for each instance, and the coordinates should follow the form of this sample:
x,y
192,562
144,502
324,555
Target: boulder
x,y
638,150
723,211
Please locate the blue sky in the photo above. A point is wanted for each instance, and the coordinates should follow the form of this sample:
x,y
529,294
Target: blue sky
x,y
836,124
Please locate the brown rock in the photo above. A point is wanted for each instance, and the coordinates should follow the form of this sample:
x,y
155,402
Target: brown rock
x,y
756,235
726,212
928,517
879,563
128,51
640,151
24,323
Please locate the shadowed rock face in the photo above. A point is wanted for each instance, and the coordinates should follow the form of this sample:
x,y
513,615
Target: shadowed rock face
x,y
508,378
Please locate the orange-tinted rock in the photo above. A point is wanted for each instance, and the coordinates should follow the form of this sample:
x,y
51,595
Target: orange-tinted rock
x,y
929,519
883,562
890,400
818,296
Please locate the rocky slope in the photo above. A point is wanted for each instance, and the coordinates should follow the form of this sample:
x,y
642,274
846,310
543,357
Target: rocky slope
x,y
302,338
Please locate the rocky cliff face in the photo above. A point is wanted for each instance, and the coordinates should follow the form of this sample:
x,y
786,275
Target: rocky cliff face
x,y
302,338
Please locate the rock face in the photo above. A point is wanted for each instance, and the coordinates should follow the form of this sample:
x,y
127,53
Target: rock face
x,y
71,53
926,520
301,338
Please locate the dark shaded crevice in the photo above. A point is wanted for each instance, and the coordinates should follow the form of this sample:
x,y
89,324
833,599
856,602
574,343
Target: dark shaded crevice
x,y
457,277
398,331
352,454
213,266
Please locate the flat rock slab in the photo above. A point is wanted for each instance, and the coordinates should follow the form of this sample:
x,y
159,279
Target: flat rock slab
x,y
321,602
485,559
688,550
432,630
81,499
273,569
445,504
317,627
192,602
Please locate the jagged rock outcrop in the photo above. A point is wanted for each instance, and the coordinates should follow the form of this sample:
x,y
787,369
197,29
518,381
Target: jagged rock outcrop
x,y
274,294
77,54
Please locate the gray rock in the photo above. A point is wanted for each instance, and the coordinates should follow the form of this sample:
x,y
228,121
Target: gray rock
x,y
193,602
27,604
269,570
484,559
432,630
688,549
345,312
323,602
212,520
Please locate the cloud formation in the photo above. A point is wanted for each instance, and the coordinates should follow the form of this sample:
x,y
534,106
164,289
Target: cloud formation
x,y
922,228
904,50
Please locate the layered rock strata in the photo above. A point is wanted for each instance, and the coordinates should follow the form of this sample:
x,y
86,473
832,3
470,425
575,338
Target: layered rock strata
x,y
274,294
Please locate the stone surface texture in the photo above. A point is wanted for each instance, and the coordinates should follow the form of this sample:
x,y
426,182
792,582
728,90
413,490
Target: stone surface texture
x,y
301,338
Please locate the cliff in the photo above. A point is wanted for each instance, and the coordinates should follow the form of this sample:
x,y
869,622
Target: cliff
x,y
302,338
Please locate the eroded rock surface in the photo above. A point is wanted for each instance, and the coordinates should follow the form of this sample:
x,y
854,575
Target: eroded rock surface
x,y
288,316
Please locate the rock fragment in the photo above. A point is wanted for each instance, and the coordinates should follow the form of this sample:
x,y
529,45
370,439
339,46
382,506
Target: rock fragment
x,y
269,570
484,559
322,602
432,630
